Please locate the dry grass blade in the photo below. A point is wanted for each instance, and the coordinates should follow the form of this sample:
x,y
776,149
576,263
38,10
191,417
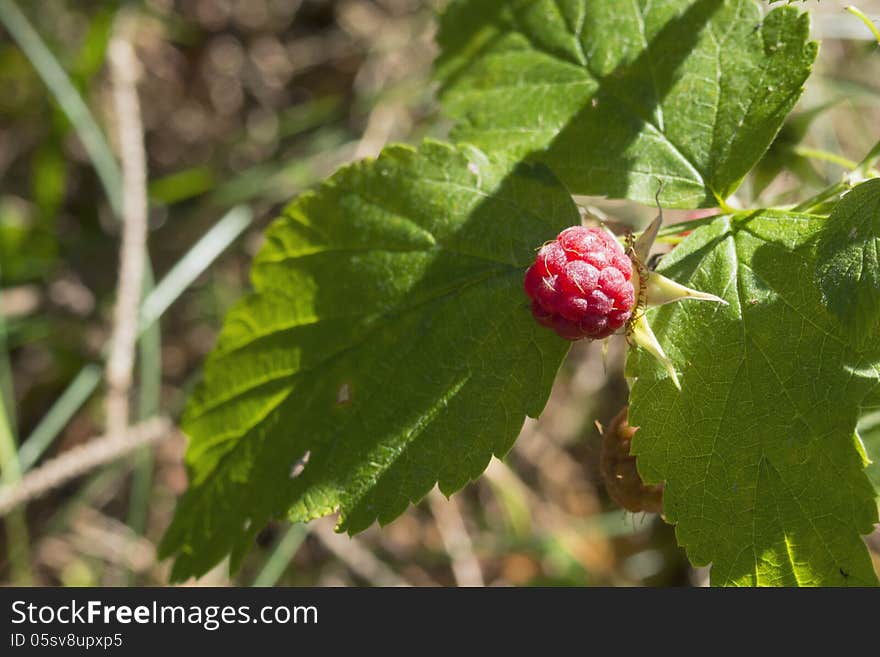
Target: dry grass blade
x,y
359,559
453,533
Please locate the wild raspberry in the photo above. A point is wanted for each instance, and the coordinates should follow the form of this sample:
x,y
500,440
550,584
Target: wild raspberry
x,y
581,284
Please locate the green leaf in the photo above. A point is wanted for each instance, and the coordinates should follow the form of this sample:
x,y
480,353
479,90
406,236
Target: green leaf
x,y
614,95
848,269
869,434
764,479
868,431
388,341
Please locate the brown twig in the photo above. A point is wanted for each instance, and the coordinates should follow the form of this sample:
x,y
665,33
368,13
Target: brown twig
x,y
132,259
80,460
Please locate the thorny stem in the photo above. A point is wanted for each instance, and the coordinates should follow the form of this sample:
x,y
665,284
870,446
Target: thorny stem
x,y
120,364
75,462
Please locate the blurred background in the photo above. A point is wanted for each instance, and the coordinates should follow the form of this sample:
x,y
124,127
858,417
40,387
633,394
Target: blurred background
x,y
245,104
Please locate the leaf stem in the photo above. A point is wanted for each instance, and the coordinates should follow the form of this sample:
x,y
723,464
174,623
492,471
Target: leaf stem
x,y
825,156
855,11
856,172
864,167
828,193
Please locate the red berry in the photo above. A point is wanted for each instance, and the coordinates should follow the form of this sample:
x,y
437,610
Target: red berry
x,y
578,277
573,308
580,284
599,302
579,241
542,316
594,324
622,262
567,329
551,259
612,281
617,319
626,299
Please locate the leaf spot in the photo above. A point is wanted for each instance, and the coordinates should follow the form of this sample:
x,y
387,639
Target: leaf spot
x,y
343,395
299,465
